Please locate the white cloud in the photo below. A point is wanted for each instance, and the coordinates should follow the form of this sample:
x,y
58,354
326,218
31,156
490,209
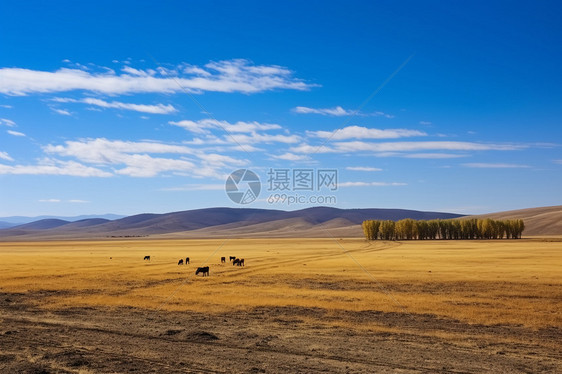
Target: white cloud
x,y
223,76
77,201
359,146
49,200
292,157
7,122
5,156
134,158
364,133
426,123
54,167
263,138
337,111
371,184
204,125
362,168
61,111
484,165
6,106
143,108
15,133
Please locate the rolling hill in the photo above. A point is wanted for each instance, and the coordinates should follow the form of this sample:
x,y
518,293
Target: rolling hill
x,y
213,222
244,222
538,221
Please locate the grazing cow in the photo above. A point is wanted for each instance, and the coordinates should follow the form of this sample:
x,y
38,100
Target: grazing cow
x,y
187,260
180,262
232,258
236,262
223,260
204,270
147,258
241,262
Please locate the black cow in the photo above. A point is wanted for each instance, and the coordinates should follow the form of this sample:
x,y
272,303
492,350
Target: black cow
x,y
187,260
204,270
241,262
223,260
147,258
180,262
236,262
232,258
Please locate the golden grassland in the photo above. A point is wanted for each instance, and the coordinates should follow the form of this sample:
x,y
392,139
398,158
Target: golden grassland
x,y
481,282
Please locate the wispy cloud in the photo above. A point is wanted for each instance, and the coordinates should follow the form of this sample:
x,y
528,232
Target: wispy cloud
x,y
5,156
49,200
6,106
143,108
15,133
204,125
425,123
135,158
485,165
62,112
362,168
7,122
338,111
77,201
222,76
359,146
54,167
292,157
359,132
371,184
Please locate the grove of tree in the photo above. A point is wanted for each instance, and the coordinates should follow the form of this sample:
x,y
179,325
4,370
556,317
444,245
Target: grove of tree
x,y
450,229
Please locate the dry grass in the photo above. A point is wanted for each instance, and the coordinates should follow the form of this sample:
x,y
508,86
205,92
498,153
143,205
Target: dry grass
x,y
481,282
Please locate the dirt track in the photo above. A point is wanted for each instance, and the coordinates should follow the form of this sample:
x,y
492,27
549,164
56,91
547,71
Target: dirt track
x,y
265,340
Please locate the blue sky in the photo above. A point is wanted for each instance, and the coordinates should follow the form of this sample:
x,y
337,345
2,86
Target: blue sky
x,y
131,107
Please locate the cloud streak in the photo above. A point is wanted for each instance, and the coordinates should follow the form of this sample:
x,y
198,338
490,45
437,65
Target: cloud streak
x,y
5,156
143,108
7,122
223,76
54,167
338,111
15,133
360,146
360,132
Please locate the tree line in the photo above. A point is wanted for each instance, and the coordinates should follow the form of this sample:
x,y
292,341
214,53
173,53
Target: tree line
x,y
459,228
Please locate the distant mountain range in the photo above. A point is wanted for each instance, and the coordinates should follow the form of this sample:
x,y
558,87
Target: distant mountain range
x,y
245,222
213,222
12,221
